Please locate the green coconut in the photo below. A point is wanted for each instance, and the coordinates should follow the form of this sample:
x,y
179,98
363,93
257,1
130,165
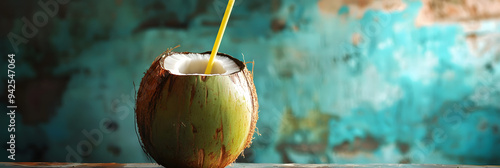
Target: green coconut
x,y
188,119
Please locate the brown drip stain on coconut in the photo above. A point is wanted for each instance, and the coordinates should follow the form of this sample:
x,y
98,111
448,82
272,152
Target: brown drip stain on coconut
x,y
221,108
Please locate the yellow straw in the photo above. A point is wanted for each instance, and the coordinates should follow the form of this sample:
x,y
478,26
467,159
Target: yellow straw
x,y
219,36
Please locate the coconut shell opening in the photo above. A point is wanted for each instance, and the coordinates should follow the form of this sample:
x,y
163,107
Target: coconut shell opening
x,y
196,63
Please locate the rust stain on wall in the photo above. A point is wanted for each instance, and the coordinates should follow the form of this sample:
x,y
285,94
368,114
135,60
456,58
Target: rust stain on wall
x,y
356,39
480,44
359,146
450,11
357,8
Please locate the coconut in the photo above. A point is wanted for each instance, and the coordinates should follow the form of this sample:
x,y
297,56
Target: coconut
x,y
189,119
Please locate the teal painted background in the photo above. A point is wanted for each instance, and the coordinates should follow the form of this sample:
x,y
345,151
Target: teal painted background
x,y
338,81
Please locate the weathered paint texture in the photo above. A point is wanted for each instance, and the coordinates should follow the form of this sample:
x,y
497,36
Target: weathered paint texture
x,y
364,81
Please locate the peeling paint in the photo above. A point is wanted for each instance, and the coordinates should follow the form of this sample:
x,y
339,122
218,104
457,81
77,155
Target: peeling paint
x,y
454,11
358,8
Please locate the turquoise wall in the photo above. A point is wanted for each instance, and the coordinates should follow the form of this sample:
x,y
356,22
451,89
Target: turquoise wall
x,y
338,82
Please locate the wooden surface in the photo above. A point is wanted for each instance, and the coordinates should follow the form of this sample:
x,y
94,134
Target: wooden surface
x,y
235,165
